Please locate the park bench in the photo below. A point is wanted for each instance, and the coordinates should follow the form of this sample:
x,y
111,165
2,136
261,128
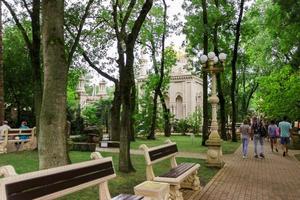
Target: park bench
x,y
183,175
13,140
60,181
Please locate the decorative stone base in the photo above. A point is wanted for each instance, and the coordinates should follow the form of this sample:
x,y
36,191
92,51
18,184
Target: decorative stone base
x,y
153,190
214,154
192,182
175,193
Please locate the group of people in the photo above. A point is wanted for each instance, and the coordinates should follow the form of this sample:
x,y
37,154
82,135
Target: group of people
x,y
5,126
257,130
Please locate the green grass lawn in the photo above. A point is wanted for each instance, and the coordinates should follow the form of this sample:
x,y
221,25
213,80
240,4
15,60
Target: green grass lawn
x,y
185,144
124,183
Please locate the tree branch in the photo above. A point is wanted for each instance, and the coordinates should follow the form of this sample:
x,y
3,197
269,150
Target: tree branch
x,y
139,22
19,25
253,89
127,15
76,41
27,8
91,64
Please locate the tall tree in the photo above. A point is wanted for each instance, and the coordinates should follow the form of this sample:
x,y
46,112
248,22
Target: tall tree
x,y
2,109
93,46
233,71
52,141
159,70
219,81
205,82
125,45
33,43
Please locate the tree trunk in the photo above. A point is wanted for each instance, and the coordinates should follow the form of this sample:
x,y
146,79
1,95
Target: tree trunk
x,y
219,82
222,108
126,74
35,60
52,140
205,83
133,104
115,114
166,115
2,109
125,164
233,64
151,136
161,74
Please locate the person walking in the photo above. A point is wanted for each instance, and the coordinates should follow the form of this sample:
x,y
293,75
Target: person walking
x,y
245,131
284,128
258,131
272,135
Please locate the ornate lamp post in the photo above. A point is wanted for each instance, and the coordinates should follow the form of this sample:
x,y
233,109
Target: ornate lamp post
x,y
214,65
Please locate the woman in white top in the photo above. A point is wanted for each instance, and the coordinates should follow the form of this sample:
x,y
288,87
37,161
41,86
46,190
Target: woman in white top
x,y
245,130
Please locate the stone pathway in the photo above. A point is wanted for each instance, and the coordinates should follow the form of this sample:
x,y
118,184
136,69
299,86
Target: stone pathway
x,y
273,178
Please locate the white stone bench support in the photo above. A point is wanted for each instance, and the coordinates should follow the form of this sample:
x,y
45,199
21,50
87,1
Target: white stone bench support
x,y
188,179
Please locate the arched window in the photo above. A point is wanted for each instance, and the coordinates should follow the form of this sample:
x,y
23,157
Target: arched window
x,y
179,107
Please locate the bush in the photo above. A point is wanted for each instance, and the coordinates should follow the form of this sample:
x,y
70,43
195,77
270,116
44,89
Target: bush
x,y
91,147
181,126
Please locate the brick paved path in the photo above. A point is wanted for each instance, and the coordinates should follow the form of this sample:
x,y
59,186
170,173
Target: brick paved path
x,y
273,178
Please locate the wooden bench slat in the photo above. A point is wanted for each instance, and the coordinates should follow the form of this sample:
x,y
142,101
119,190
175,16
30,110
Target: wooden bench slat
x,y
44,185
162,152
177,171
127,197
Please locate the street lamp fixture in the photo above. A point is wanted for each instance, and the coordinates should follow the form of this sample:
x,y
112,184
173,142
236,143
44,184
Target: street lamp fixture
x,y
214,64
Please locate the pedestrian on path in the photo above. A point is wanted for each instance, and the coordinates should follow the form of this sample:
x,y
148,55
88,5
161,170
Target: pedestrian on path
x,y
258,131
272,135
245,130
285,127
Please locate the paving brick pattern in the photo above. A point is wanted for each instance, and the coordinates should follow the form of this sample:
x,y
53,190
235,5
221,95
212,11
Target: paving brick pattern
x,y
273,178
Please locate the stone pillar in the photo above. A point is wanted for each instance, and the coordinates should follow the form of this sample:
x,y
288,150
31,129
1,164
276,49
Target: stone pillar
x,y
214,142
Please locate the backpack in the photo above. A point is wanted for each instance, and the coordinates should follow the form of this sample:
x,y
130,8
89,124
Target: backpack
x,y
262,131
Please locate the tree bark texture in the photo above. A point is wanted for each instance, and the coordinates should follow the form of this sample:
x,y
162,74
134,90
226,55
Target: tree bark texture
x,y
133,105
205,82
115,114
233,69
2,109
52,140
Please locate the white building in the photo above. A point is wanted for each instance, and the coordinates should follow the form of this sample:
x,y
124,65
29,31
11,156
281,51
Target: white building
x,y
185,92
99,92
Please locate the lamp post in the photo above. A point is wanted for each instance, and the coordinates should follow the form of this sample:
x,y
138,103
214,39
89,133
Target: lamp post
x,y
213,64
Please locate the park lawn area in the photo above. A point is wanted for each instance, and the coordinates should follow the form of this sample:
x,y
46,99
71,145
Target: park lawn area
x,y
27,161
185,144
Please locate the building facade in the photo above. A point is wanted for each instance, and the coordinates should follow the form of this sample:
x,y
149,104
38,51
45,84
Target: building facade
x,y
185,93
99,92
